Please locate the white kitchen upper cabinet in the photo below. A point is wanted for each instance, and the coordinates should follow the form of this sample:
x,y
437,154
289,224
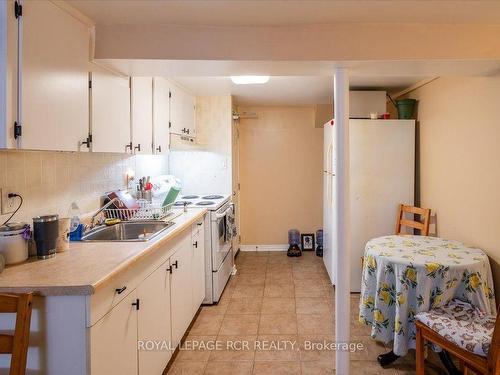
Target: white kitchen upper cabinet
x,y
161,115
113,340
55,94
8,61
181,290
182,112
110,111
154,321
142,114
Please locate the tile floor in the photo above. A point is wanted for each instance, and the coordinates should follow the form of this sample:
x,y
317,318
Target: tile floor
x,y
276,299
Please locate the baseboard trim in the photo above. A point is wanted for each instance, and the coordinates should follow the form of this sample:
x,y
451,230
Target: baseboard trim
x,y
277,247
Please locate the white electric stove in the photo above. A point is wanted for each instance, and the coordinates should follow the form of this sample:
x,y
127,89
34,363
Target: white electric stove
x,y
218,242
210,201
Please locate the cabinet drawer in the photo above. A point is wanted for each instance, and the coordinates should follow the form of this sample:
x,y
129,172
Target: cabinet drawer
x,y
115,290
121,285
197,226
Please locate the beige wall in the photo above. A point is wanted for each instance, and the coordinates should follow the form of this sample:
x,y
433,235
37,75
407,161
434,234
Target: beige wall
x,y
50,181
460,160
281,161
323,113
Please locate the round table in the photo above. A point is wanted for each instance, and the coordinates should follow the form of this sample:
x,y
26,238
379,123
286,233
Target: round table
x,y
404,275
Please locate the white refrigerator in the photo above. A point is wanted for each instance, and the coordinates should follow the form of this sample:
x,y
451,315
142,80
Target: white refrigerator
x,y
382,175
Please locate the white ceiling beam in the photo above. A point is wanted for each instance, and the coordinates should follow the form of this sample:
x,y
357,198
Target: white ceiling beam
x,y
300,43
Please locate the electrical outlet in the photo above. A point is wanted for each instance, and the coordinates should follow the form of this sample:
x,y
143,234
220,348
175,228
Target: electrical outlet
x,y
9,205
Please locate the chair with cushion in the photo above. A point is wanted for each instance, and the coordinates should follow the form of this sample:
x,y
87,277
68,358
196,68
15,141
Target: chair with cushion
x,y
16,344
465,332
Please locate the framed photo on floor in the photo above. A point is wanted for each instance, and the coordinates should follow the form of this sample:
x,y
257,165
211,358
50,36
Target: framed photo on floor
x,y
307,241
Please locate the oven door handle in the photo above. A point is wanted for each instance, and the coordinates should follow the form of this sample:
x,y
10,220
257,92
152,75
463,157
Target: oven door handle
x,y
230,208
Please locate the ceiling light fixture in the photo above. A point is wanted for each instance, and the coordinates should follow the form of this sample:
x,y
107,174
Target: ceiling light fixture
x,y
249,80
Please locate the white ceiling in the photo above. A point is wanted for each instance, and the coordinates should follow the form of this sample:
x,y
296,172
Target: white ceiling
x,y
287,90
306,82
286,12
297,82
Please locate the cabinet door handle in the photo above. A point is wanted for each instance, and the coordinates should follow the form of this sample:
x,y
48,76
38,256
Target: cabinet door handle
x,y
88,141
175,264
138,147
120,290
195,244
169,269
136,304
158,148
128,146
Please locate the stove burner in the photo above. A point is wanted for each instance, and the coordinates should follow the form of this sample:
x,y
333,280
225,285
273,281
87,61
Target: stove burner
x,y
181,203
213,197
190,197
205,203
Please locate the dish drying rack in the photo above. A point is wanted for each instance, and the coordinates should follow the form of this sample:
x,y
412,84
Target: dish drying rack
x,y
146,211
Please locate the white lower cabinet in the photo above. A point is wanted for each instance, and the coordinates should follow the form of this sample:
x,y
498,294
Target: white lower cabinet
x,y
181,288
198,256
113,340
138,334
154,330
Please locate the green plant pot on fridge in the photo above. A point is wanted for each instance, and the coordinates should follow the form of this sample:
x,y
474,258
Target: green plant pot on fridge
x,y
406,108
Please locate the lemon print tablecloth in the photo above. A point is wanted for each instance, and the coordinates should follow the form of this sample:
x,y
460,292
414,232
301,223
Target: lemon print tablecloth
x,y
404,275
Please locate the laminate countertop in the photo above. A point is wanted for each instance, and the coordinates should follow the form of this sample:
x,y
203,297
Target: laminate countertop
x,y
86,265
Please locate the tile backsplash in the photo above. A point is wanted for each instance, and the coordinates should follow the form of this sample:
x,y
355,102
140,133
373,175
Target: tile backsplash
x,y
201,172
49,181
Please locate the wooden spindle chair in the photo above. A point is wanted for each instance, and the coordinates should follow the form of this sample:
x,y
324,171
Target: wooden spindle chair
x,y
17,344
422,226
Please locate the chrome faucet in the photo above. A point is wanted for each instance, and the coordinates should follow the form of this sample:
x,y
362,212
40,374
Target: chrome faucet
x,y
92,221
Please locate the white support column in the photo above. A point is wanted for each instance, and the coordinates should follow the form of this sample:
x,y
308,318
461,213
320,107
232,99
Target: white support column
x,y
343,264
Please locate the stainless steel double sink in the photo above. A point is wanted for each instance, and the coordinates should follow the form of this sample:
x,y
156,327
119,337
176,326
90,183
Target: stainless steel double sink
x,y
128,231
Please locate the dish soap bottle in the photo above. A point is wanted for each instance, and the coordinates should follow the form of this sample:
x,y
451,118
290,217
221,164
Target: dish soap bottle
x,y
74,214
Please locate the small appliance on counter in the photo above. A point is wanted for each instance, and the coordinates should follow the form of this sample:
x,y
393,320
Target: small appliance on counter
x,y
14,242
45,234
294,242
